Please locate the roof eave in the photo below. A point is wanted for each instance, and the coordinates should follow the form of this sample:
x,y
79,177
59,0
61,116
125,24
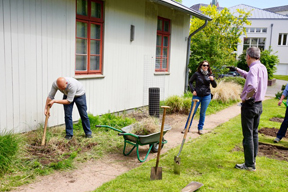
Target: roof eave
x,y
184,9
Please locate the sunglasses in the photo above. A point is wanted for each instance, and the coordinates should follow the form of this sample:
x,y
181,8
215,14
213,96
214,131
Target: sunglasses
x,y
205,65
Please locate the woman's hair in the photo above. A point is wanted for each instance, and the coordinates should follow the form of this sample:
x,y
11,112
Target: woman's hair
x,y
200,65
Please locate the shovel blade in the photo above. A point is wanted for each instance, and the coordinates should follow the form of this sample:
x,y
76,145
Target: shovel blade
x,y
193,186
156,173
177,165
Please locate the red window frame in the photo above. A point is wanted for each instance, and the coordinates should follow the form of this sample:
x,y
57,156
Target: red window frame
x,y
163,34
90,20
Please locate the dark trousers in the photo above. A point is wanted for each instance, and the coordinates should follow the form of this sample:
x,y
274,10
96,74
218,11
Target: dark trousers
x,y
82,108
281,133
250,118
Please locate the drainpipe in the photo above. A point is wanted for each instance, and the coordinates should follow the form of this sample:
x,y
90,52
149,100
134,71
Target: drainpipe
x,y
271,33
188,54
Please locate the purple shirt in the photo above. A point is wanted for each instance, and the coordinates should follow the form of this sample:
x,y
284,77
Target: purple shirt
x,y
256,81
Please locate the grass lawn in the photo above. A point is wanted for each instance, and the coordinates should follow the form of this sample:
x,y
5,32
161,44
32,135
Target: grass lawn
x,y
281,77
210,159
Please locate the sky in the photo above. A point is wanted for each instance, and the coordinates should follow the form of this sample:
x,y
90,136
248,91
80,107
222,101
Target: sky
x,y
230,3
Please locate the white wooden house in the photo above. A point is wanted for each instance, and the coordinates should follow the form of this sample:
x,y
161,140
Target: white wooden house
x,y
116,48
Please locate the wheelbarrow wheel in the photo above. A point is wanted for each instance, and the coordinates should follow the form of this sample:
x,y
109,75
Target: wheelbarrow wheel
x,y
155,146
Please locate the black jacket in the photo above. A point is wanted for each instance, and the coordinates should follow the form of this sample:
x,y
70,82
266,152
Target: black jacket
x,y
202,87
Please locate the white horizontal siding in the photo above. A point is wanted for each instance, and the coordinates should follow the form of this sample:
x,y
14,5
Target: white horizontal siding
x,y
37,45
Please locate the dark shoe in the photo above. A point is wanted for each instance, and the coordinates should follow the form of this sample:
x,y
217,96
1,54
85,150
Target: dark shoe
x,y
68,137
276,140
244,167
88,136
200,132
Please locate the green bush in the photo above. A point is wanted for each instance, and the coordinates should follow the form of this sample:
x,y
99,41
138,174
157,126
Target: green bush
x,y
9,146
279,93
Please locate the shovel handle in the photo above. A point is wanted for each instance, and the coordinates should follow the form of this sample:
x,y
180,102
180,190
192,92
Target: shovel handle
x,y
188,123
161,135
45,126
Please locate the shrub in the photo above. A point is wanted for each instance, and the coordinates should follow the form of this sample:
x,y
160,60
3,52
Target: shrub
x,y
279,93
9,145
226,91
270,61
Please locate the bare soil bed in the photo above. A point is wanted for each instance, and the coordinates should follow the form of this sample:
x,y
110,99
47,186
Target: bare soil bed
x,y
270,131
277,119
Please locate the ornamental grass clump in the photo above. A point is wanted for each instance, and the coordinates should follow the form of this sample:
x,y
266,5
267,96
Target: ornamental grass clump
x,y
146,126
227,91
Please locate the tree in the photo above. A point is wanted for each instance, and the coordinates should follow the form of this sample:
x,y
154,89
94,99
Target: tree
x,y
179,1
218,40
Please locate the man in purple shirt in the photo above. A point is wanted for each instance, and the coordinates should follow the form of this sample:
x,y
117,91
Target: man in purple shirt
x,y
252,95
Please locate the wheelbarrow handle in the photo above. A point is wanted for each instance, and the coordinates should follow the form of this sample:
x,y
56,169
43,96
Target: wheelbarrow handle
x,y
106,126
131,134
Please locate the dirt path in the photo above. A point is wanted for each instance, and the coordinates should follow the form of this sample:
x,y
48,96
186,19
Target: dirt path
x,y
92,174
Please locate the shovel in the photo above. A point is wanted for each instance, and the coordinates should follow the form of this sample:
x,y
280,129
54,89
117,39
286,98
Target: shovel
x,y
177,158
156,172
45,126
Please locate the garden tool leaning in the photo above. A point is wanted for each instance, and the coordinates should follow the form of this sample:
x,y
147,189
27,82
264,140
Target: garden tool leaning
x,y
45,126
156,172
177,158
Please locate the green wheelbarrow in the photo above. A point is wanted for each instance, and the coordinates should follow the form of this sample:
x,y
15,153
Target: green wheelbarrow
x,y
139,140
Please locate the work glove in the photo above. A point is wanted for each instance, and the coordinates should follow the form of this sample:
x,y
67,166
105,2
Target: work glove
x,y
232,68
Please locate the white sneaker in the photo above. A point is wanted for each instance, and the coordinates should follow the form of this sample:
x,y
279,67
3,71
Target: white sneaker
x,y
276,140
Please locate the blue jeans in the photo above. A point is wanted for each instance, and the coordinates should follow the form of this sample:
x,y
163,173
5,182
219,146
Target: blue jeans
x,y
250,118
281,133
82,108
204,105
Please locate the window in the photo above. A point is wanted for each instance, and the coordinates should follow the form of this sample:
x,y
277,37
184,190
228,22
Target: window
x,y
256,30
282,40
162,45
254,42
89,37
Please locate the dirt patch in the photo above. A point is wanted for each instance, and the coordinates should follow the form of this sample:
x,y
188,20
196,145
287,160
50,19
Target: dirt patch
x,y
277,119
272,151
270,131
54,152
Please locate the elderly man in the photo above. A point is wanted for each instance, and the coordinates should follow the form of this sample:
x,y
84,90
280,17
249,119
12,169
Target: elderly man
x,y
253,93
73,92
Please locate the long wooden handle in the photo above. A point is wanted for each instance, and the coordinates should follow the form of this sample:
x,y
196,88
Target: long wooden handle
x,y
188,124
45,126
161,135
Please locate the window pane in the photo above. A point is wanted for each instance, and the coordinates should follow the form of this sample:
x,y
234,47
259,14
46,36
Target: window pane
x,y
165,43
247,30
157,64
264,30
254,41
279,39
164,63
158,51
245,47
262,40
95,47
95,31
81,29
82,7
258,30
246,40
284,39
81,46
159,40
166,26
95,10
252,30
159,25
81,63
261,47
94,63
165,52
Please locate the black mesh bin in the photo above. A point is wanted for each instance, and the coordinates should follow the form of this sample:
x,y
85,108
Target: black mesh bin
x,y
154,101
